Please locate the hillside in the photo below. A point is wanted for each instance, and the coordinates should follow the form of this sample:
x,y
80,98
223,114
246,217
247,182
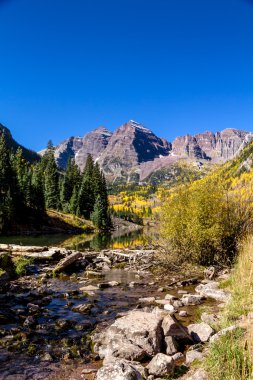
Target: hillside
x,y
28,154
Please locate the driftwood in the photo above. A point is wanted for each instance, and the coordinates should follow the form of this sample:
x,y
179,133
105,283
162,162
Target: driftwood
x,y
67,261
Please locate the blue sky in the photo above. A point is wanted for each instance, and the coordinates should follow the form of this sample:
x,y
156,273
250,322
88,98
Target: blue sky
x,y
177,66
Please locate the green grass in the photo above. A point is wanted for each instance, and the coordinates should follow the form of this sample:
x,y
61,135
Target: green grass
x,y
20,265
229,358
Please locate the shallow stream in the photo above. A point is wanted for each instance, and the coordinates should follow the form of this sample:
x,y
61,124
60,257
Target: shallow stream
x,y
34,344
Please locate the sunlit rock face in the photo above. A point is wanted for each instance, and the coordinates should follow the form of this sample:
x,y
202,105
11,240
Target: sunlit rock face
x,y
132,152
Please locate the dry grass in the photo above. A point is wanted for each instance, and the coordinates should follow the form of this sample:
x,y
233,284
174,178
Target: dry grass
x,y
241,285
61,220
231,357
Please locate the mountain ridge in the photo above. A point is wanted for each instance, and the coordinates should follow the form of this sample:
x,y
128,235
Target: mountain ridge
x,y
28,154
132,152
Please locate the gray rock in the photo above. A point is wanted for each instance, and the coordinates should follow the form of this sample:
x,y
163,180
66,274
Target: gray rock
x,y
193,355
89,288
131,337
178,357
192,299
177,304
222,332
183,313
210,272
83,308
170,297
147,300
200,332
171,345
211,290
119,348
171,327
169,308
161,365
163,302
119,370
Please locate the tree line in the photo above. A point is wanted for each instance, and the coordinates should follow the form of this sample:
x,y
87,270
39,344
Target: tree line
x,y
28,190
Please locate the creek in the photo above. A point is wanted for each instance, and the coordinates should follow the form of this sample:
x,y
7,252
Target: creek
x,y
41,328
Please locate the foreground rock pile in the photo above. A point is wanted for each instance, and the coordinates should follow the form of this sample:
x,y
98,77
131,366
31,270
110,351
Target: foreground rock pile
x,y
156,336
152,341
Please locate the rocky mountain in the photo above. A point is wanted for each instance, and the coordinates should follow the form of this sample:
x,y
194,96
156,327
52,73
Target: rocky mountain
x,y
132,153
129,146
29,155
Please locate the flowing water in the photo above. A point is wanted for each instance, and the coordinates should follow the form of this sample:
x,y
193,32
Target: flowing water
x,y
57,329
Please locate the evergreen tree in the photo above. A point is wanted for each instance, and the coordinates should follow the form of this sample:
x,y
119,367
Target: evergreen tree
x,y
38,199
71,180
99,216
6,188
86,199
23,188
74,202
51,184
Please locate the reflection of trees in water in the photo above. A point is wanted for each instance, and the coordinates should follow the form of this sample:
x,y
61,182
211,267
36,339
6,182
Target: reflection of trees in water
x,y
103,241
84,241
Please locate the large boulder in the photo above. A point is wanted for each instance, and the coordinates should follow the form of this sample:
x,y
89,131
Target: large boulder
x,y
119,370
161,365
200,332
211,290
171,345
132,337
172,327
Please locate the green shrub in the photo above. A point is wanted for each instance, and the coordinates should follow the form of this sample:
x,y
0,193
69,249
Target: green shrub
x,y
203,222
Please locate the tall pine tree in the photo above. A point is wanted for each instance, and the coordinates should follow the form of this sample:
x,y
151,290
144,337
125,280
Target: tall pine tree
x,y
86,199
51,182
7,179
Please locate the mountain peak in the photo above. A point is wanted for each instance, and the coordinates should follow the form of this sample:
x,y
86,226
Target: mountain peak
x,y
132,152
102,130
134,124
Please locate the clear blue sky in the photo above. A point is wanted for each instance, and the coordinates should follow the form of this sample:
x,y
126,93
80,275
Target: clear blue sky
x,y
177,66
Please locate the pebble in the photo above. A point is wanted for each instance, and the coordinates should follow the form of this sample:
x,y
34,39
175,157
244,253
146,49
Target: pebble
x,y
183,313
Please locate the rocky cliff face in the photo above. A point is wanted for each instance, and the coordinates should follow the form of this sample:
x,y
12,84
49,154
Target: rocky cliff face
x,y
133,152
93,143
220,146
130,145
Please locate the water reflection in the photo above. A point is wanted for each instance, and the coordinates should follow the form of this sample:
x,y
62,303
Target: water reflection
x,y
83,241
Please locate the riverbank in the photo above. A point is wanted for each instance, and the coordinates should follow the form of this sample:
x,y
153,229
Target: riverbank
x,y
53,311
51,222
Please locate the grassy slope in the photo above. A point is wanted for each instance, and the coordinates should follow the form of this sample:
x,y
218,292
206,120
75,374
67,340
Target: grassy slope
x,y
52,222
60,220
231,358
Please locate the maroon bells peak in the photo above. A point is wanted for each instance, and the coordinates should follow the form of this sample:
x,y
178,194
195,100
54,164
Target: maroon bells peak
x,y
132,152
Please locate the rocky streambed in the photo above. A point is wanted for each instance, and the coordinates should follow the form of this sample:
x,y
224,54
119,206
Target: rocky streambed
x,y
104,315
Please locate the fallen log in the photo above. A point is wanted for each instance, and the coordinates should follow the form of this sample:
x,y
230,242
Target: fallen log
x,y
67,261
